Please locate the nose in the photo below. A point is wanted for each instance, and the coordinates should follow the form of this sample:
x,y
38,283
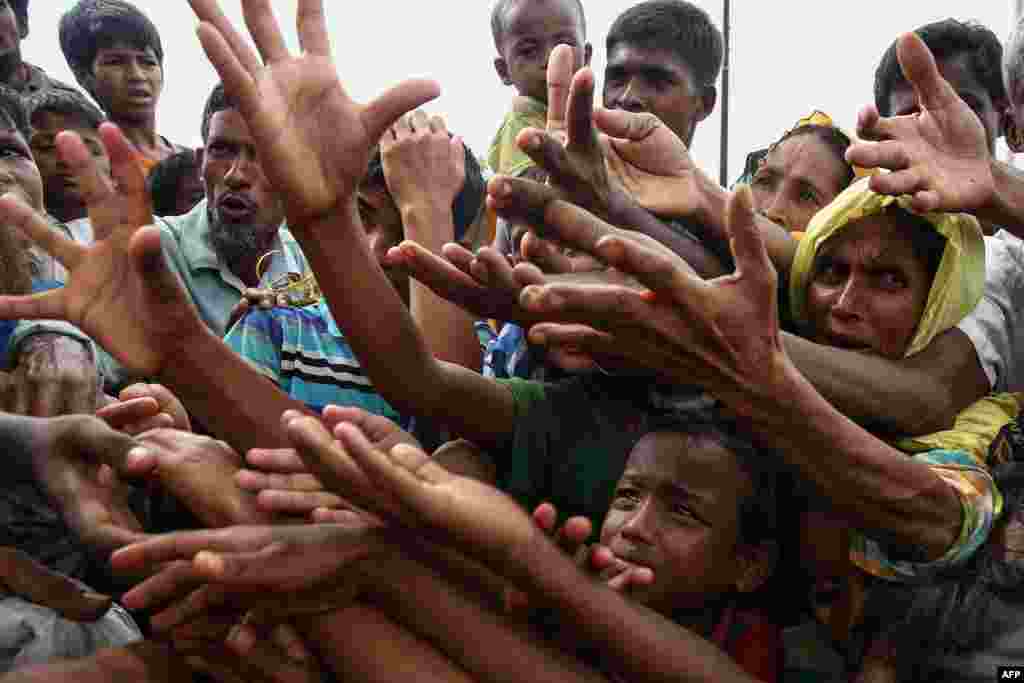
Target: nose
x,y
135,70
640,527
775,211
630,99
849,305
240,172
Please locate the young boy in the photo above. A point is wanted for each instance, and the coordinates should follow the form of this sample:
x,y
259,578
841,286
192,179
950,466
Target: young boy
x,y
525,32
50,113
176,185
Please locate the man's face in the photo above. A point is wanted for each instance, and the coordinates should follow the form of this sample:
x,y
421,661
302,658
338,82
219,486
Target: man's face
x,y
532,29
10,34
676,511
63,195
18,171
655,81
127,81
240,198
956,70
383,225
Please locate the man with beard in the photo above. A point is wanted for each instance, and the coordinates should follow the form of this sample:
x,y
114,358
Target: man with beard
x,y
17,74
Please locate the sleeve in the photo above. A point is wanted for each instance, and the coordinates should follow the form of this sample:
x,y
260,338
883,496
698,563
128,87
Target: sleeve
x,y
258,338
995,323
505,157
521,464
980,501
29,328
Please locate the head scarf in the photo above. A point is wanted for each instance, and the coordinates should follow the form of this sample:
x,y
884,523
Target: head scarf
x,y
958,283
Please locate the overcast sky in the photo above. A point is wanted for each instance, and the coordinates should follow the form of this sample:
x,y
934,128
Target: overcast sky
x,y
788,57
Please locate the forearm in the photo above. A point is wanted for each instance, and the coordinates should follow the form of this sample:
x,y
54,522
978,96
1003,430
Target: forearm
x,y
144,661
912,396
17,443
388,344
447,329
227,395
1007,206
879,490
626,213
638,643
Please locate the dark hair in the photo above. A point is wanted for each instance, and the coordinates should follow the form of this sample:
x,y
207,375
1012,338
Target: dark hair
x,y
217,101
468,202
832,137
946,39
20,8
677,27
955,613
759,512
13,114
67,102
926,242
164,181
501,9
94,24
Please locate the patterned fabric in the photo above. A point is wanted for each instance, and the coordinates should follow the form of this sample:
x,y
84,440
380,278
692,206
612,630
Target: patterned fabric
x,y
505,157
306,355
981,503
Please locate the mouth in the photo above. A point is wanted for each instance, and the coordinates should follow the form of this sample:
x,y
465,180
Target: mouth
x,y
849,343
235,208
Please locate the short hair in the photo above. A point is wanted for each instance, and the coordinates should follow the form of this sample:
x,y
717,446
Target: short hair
x,y
501,9
94,24
67,102
927,243
1013,57
219,100
164,181
12,112
20,8
677,27
759,511
947,38
835,139
468,202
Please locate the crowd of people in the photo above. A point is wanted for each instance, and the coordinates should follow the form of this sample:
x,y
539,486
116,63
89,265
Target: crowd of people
x,y
325,400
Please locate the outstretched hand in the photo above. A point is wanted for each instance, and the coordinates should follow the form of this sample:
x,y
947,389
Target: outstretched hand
x,y
313,139
122,276
940,155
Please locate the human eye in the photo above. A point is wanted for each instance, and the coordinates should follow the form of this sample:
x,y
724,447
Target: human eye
x,y
830,272
526,48
892,280
763,180
682,511
808,196
11,151
626,498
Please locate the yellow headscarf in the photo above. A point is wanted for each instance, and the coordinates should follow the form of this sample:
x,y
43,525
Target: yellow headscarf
x,y
959,281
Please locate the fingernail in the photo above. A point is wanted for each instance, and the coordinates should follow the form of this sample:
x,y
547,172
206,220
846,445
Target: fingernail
x,y
533,142
504,189
137,453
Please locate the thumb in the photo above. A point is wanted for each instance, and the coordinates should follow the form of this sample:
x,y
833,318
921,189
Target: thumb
x,y
396,101
745,240
626,125
104,445
148,259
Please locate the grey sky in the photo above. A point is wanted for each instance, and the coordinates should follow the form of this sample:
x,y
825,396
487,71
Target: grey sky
x,y
789,57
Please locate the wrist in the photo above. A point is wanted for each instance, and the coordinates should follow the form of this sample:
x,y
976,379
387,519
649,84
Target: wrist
x,y
711,201
428,222
998,208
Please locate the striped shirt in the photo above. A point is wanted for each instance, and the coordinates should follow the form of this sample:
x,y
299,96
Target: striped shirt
x,y
306,355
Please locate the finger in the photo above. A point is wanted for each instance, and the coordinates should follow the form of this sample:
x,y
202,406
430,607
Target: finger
x,y
519,200
549,153
660,271
573,534
377,425
45,305
312,28
626,125
293,664
296,502
919,67
581,110
871,125
162,285
203,600
265,32
890,154
251,480
185,544
745,240
345,516
926,201
29,579
23,217
544,254
46,400
583,337
497,272
209,12
276,460
236,73
902,182
288,641
402,98
128,174
559,76
419,121
126,412
159,421
600,558
583,303
92,183
99,443
545,517
170,583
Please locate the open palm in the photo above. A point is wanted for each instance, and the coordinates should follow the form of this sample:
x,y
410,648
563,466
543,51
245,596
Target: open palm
x,y
315,141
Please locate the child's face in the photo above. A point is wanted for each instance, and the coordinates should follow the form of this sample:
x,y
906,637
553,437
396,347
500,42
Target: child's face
x,y
532,29
383,225
676,511
59,183
127,81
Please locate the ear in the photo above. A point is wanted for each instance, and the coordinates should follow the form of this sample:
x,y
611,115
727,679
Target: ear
x,y
1012,133
708,99
755,564
588,52
501,67
200,153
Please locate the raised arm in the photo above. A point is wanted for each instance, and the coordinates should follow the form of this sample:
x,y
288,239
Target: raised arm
x,y
315,143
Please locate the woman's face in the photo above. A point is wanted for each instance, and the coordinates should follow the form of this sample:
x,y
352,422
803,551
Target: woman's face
x,y
868,289
796,180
